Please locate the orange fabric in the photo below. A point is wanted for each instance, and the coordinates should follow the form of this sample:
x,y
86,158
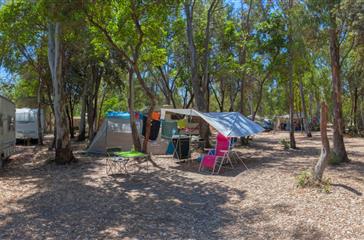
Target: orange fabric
x,y
156,116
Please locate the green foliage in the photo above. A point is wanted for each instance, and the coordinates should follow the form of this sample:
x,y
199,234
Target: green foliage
x,y
305,179
284,143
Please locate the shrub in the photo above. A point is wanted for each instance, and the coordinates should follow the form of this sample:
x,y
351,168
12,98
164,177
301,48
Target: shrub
x,y
284,143
305,179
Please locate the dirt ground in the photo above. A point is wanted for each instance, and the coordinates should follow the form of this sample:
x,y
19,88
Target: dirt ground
x,y
41,200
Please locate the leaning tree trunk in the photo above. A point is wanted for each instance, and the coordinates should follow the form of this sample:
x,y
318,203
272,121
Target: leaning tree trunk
x,y
39,113
304,110
63,144
338,138
134,129
319,168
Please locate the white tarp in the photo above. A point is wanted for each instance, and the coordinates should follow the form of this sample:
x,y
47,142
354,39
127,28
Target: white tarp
x,y
230,124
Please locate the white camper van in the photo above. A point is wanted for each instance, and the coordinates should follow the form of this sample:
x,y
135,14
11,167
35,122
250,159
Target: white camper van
x,y
7,129
27,123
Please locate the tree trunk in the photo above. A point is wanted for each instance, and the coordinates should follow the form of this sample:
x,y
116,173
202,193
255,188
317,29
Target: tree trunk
x,y
82,130
292,139
63,144
355,109
242,53
134,129
197,87
321,164
152,100
39,113
304,110
338,138
260,96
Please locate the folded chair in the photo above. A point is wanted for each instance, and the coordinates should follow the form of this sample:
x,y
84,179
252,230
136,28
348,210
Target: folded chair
x,y
217,158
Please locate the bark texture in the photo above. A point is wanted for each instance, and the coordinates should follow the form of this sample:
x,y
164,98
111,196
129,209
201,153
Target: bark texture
x,y
292,140
134,130
304,110
62,144
325,149
338,138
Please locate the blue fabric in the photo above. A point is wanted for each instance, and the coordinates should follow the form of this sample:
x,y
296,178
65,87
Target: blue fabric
x,y
170,148
122,115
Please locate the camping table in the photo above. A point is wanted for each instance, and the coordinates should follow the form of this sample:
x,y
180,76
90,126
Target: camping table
x,y
125,159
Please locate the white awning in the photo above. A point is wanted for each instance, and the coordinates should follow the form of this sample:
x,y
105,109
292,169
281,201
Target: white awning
x,y
230,124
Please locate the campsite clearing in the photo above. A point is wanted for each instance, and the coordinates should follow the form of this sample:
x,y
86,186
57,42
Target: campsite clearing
x,y
43,200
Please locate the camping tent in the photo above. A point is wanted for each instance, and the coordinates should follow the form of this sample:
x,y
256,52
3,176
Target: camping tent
x,y
230,124
115,131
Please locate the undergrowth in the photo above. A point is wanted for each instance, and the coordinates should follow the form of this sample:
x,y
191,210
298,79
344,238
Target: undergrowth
x,y
305,179
284,143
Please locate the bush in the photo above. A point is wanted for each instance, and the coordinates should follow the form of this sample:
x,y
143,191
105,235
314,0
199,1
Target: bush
x,y
284,143
305,179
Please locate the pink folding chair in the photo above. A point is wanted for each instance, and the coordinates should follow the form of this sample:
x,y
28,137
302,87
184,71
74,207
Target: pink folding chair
x,y
220,155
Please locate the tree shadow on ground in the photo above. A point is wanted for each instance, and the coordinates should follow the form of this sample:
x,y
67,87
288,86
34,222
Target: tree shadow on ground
x,y
70,202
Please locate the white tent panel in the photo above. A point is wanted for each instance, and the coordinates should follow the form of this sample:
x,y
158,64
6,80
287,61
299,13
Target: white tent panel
x,y
114,132
230,124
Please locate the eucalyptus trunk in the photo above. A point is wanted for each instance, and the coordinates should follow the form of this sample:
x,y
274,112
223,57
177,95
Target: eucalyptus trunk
x,y
338,136
39,113
82,130
292,140
197,86
63,143
304,110
134,129
321,164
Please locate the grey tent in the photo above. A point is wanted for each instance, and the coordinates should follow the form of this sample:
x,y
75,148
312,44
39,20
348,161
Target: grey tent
x,y
114,132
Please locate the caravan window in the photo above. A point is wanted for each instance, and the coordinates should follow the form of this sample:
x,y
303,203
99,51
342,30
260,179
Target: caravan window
x,y
25,117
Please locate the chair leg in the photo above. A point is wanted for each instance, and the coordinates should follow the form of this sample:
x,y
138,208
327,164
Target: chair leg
x,y
199,169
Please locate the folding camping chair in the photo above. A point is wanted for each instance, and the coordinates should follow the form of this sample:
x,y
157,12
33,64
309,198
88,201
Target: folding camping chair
x,y
219,156
114,163
234,154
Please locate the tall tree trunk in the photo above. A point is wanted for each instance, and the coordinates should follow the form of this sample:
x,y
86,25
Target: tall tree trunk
x,y
134,129
245,25
304,110
319,168
82,133
292,139
39,113
63,144
152,103
199,95
260,96
355,109
338,138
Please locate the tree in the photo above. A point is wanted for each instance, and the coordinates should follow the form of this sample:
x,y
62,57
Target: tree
x,y
320,166
339,146
63,143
